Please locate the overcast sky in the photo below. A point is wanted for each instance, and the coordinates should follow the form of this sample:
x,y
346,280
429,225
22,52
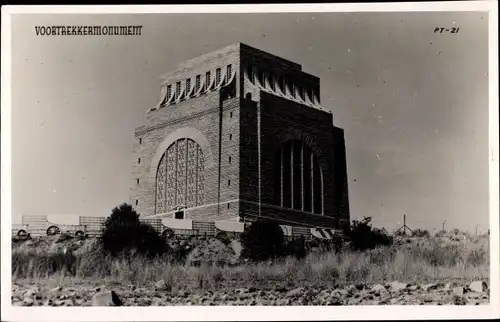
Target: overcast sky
x,y
413,103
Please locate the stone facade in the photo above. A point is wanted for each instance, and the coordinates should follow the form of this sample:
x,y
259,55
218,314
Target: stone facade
x,y
240,133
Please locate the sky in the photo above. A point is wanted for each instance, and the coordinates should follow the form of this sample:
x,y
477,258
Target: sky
x,y
413,104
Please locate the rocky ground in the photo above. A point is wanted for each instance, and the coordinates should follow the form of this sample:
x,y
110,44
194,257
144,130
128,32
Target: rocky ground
x,y
116,294
25,292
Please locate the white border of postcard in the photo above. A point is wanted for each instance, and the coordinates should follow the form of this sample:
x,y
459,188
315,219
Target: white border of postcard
x,y
226,313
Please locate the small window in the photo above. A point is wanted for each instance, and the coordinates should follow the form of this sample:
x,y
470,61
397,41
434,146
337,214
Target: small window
x,y
230,136
139,161
228,205
188,85
291,87
217,76
207,79
282,83
198,83
137,180
230,114
140,140
229,71
301,93
177,90
169,91
179,215
261,76
228,182
272,81
229,159
248,96
136,202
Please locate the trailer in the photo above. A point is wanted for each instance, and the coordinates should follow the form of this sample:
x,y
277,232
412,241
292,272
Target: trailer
x,y
52,225
75,225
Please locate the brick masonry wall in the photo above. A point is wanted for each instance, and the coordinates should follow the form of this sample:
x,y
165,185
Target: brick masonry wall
x,y
248,151
201,114
341,178
283,120
228,132
280,119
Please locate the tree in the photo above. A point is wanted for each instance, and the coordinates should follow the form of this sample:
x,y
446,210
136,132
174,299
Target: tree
x,y
263,240
124,232
364,236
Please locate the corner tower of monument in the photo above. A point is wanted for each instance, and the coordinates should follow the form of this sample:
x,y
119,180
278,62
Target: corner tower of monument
x,y
240,133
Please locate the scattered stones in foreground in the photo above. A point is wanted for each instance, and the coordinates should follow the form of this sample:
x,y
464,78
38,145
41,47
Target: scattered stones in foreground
x,y
106,298
160,293
478,286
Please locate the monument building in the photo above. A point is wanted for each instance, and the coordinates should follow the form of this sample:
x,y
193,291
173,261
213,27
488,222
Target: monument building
x,y
240,133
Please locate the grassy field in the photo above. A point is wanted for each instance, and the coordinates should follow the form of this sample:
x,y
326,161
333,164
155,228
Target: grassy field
x,y
422,260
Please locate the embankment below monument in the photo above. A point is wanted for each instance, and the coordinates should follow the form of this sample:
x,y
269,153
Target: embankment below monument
x,y
416,271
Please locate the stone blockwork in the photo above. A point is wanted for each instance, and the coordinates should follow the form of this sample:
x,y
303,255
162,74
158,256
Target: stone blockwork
x,y
241,121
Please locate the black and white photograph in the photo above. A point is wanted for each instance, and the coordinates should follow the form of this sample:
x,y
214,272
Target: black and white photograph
x,y
250,162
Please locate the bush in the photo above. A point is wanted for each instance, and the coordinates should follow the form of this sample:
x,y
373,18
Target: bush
x,y
123,232
63,237
421,233
338,243
363,236
223,237
296,247
477,257
440,233
263,240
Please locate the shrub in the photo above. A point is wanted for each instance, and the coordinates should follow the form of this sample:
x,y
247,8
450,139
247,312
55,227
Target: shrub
x,y
440,233
339,241
148,241
296,247
123,232
263,240
363,236
401,233
63,237
336,244
380,237
223,237
477,257
421,233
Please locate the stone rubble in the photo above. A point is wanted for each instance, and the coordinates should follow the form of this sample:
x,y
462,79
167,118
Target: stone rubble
x,y
158,294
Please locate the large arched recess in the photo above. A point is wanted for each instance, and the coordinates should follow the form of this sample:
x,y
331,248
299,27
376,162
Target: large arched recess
x,y
298,178
182,133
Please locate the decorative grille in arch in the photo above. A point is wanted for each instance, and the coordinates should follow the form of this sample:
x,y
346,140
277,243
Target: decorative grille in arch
x,y
180,177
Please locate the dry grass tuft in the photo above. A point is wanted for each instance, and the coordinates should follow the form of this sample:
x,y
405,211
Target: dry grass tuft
x,y
421,259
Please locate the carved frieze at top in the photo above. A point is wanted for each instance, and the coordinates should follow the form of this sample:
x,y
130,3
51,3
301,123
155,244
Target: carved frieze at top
x,y
290,87
181,90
